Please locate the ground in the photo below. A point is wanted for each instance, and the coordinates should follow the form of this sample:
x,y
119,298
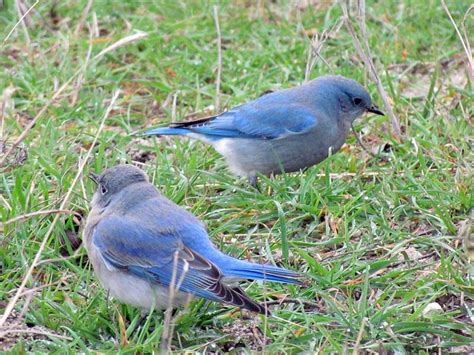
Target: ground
x,y
379,238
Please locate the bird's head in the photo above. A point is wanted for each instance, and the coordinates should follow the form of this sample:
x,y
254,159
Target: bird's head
x,y
114,180
354,100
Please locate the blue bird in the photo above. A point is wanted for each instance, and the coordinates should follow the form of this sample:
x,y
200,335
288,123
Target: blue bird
x,y
140,244
284,131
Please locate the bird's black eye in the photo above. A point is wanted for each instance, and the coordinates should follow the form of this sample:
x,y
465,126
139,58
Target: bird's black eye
x,y
357,101
103,189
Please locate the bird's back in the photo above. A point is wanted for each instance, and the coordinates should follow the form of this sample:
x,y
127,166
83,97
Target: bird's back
x,y
318,95
142,203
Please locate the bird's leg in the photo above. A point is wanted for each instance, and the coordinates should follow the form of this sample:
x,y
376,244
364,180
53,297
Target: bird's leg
x,y
252,179
144,314
107,303
142,321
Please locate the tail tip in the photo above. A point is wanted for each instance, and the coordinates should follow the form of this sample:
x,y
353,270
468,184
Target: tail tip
x,y
261,309
151,132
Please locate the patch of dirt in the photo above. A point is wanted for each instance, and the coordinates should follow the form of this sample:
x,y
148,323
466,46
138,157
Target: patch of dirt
x,y
319,5
453,302
245,333
411,253
415,81
16,329
12,53
140,150
18,156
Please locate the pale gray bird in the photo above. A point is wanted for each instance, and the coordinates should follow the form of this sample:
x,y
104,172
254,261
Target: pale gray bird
x,y
283,131
136,239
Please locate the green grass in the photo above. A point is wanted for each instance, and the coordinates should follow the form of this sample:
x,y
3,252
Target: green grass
x,y
355,237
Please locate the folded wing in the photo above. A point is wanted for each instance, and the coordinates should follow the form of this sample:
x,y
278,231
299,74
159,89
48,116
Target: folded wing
x,y
249,121
157,255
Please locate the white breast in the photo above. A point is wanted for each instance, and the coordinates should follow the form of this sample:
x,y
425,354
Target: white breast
x,y
133,290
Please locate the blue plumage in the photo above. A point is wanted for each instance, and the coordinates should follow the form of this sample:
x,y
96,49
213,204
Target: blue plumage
x,y
283,131
139,242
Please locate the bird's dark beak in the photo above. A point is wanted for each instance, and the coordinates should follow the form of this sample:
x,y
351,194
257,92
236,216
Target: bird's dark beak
x,y
376,110
94,177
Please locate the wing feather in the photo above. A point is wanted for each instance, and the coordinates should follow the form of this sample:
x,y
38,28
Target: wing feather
x,y
154,256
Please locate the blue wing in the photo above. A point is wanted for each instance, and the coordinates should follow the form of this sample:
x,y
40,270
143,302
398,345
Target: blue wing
x,y
154,254
252,120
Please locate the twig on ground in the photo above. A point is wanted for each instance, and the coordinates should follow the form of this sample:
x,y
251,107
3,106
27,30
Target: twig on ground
x,y
291,300
464,41
360,141
28,128
31,190
80,76
60,90
82,20
95,25
219,60
367,57
398,263
18,22
346,175
173,106
65,201
75,255
36,213
177,287
173,288
24,19
32,331
7,106
316,45
468,43
31,291
23,7
121,42
28,296
360,334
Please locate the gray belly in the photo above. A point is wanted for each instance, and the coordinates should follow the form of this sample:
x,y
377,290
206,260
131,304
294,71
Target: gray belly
x,y
249,156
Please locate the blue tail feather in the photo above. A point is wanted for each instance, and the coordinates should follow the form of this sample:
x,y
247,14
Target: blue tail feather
x,y
210,133
253,271
166,131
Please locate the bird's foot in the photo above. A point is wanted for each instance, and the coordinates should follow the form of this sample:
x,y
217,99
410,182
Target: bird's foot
x,y
253,181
